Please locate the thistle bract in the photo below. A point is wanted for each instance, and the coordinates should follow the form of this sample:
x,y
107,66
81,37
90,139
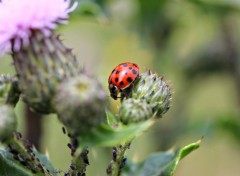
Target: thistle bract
x,y
134,110
80,103
154,90
150,97
41,67
9,92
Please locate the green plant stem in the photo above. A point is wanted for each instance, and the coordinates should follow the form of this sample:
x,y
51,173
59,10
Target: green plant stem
x,y
118,160
23,152
79,163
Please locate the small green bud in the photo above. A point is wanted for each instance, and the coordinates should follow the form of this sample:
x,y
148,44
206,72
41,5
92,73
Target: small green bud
x,y
154,90
8,122
80,103
134,110
40,67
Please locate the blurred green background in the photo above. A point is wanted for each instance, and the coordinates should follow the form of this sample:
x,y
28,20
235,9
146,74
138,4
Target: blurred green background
x,y
194,44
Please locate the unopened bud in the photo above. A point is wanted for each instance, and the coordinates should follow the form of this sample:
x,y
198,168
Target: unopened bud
x,y
40,67
154,90
80,103
150,97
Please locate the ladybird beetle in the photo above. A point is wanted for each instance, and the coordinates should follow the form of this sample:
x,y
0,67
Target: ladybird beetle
x,y
121,79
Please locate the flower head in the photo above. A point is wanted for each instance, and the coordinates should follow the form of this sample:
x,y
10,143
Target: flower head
x,y
18,18
150,98
154,90
80,103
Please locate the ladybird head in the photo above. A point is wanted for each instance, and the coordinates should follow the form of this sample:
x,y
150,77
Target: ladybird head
x,y
114,91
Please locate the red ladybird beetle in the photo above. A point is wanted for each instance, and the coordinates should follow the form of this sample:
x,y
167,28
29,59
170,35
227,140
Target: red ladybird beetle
x,y
121,79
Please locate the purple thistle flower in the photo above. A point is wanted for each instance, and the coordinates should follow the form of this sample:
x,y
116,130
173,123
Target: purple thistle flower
x,y
40,58
18,18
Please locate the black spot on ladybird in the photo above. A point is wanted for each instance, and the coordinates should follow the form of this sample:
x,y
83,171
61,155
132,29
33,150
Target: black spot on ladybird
x,y
121,83
134,71
125,65
117,72
130,68
116,79
129,79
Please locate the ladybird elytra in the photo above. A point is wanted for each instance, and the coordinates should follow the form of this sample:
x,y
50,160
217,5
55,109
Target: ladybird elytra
x,y
122,77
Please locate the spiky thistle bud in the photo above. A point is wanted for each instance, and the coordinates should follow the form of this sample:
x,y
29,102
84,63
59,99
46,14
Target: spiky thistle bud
x,y
41,67
150,97
8,122
80,103
9,92
154,90
134,110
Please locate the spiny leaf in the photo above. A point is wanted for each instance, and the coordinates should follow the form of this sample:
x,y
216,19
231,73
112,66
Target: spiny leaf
x,y
105,135
45,161
162,163
111,119
9,166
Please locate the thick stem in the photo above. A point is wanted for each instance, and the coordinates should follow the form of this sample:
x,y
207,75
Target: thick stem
x,y
118,160
79,158
34,122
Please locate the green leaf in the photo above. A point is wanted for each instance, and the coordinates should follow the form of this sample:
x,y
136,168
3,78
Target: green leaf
x,y
45,161
9,166
105,135
162,163
111,119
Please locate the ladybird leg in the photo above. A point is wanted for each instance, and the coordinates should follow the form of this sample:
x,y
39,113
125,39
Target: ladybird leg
x,y
126,93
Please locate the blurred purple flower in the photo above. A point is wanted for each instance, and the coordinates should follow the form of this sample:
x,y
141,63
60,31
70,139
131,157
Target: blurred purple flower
x,y
18,18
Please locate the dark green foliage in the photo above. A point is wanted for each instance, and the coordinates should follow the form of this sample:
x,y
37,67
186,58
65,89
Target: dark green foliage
x,y
160,164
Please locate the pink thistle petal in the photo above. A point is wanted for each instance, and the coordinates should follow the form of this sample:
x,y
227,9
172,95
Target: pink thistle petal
x,y
19,17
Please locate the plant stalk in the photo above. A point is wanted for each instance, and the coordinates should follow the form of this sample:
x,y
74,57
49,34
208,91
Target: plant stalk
x,y
118,159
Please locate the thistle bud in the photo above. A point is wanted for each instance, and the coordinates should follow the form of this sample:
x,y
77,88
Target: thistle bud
x,y
8,122
154,90
9,92
40,67
80,103
150,97
134,110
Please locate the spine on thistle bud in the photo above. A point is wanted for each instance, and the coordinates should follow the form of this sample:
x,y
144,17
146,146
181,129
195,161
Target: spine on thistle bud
x,y
134,110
